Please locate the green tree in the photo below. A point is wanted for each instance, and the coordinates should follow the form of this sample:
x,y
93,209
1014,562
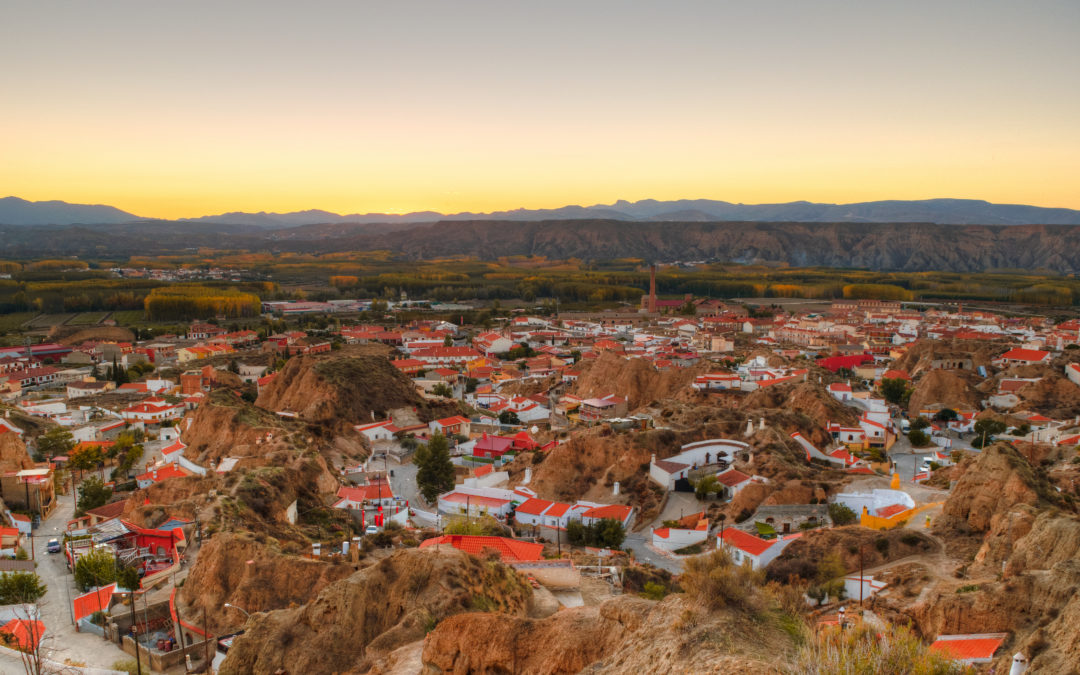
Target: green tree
x,y
434,470
96,568
56,441
987,429
706,486
509,417
442,389
21,588
128,578
946,415
895,390
841,514
448,341
92,494
919,423
918,438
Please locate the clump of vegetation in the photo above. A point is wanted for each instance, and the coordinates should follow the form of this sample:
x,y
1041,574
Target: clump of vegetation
x,y
606,533
434,470
714,582
867,650
841,514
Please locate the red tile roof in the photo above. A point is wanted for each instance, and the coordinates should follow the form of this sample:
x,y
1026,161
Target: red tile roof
x,y
26,633
533,507
746,542
510,550
619,512
891,510
1024,355
732,477
967,647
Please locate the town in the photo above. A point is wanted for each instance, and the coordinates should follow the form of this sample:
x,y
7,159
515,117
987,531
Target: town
x,y
159,493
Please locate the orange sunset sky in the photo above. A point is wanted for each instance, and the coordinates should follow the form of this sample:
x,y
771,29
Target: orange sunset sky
x,y
186,109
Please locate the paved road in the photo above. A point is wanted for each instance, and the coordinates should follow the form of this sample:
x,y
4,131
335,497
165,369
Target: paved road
x,y
637,543
55,607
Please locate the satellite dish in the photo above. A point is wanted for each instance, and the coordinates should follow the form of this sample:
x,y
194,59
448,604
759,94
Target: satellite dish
x,y
533,429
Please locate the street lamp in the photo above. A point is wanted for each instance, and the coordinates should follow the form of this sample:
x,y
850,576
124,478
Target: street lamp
x,y
134,633
246,613
840,615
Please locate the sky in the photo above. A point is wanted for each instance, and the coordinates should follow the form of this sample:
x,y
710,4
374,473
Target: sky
x,y
182,109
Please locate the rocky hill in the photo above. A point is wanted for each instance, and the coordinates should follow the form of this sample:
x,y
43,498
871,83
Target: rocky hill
x,y
368,614
337,390
636,379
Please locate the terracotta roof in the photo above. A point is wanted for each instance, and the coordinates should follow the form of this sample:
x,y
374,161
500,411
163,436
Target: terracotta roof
x,y
24,631
474,500
534,507
111,510
619,512
669,466
748,543
1024,355
732,477
510,550
891,510
968,647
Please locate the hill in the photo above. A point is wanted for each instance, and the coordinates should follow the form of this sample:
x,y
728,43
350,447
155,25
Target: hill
x,y
15,211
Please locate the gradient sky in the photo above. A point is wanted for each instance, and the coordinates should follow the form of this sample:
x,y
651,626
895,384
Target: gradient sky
x,y
172,109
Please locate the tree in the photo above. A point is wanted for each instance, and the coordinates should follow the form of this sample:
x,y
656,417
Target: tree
x,y
234,367
509,417
895,390
448,341
96,568
56,441
987,429
920,423
442,389
128,578
841,514
434,470
92,494
84,458
18,588
706,486
918,438
946,415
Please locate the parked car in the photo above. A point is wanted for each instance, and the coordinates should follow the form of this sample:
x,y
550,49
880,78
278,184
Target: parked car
x,y
53,546
925,468
370,529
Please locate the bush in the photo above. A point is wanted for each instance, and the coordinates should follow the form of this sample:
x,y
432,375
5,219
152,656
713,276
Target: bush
x,y
866,650
653,591
918,438
606,533
714,582
126,666
882,545
841,514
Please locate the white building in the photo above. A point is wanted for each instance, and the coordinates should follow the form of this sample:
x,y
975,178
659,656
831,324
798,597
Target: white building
x,y
702,453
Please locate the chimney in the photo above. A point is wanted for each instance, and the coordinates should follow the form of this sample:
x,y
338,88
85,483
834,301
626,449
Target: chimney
x,y
1019,664
652,289
615,489
654,458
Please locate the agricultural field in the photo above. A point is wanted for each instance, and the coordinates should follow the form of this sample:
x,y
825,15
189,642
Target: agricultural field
x,y
129,317
12,322
88,319
42,321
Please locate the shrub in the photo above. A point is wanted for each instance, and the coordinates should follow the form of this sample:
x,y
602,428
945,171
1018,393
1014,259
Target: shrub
x,y
866,650
714,582
841,514
882,545
918,438
653,591
969,588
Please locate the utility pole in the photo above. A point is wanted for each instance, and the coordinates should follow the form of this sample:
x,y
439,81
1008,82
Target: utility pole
x,y
861,582
135,634
206,640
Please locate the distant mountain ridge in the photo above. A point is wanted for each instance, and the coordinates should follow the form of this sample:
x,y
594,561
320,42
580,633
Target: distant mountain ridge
x,y
15,211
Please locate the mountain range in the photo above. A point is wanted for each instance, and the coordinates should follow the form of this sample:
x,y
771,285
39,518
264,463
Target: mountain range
x,y
15,211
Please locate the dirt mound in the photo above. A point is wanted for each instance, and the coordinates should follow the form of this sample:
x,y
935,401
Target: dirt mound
x,y
343,388
636,379
356,620
1054,396
946,389
271,580
13,454
227,426
990,484
802,556
921,354
623,635
807,399
75,335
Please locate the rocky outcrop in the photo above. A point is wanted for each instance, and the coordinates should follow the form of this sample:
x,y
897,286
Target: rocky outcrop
x,y
359,619
13,454
237,569
636,379
343,388
624,635
945,389
991,484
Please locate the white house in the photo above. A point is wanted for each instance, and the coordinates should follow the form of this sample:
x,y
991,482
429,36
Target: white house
x,y
377,431
840,391
692,530
702,453
1072,371
716,382
449,426
733,481
746,549
875,502
862,587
